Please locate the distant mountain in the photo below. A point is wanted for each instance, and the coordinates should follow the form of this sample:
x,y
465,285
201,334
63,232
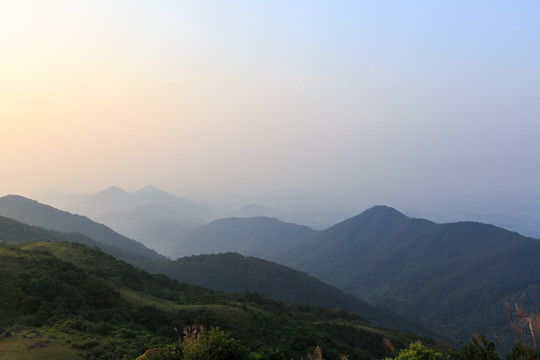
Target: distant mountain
x,y
149,215
234,273
456,277
258,236
33,213
149,200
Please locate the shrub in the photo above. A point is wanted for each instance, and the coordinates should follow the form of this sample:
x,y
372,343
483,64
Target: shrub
x,y
417,351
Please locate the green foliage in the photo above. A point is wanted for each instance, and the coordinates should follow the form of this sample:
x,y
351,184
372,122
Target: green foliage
x,y
214,345
456,277
267,353
234,273
478,349
107,309
417,351
521,351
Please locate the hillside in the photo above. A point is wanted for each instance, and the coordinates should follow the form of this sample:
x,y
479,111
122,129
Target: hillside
x,y
66,298
15,232
34,213
234,273
258,236
456,277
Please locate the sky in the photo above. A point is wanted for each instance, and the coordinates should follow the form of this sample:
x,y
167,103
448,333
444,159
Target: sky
x,y
383,100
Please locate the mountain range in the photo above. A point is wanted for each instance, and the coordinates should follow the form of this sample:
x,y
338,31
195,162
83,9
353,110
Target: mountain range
x,y
456,277
65,300
226,272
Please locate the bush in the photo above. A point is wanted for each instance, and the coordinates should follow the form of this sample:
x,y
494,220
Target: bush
x,y
214,345
417,351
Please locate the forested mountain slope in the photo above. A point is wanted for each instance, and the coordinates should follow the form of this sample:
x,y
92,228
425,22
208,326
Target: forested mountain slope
x,y
65,298
234,273
456,277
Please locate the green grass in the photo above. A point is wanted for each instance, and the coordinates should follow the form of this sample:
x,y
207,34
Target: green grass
x,y
24,346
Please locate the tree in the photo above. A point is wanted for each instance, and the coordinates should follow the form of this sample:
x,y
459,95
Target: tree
x,y
478,349
417,351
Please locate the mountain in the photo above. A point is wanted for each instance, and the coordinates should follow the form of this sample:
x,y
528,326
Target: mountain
x,y
456,277
67,301
149,215
15,232
33,213
149,200
258,236
234,273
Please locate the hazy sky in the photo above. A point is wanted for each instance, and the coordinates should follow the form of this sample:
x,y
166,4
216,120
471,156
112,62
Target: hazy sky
x,y
363,97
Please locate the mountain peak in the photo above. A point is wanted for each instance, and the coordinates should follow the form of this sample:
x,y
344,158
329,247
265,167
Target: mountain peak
x,y
379,217
112,190
383,210
18,198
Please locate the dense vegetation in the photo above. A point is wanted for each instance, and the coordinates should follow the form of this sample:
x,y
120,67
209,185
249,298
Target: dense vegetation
x,y
100,308
234,273
455,277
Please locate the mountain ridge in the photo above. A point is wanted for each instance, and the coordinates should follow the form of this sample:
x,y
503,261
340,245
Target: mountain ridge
x,y
235,273
417,267
34,213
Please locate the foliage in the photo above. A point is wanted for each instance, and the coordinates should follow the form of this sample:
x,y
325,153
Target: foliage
x,y
456,277
108,309
234,273
478,349
417,351
521,351
214,345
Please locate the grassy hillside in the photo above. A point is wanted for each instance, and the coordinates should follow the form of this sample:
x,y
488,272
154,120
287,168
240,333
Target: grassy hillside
x,y
97,307
234,273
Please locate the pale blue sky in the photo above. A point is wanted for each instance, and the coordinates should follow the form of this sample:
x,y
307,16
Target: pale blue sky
x,y
364,97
